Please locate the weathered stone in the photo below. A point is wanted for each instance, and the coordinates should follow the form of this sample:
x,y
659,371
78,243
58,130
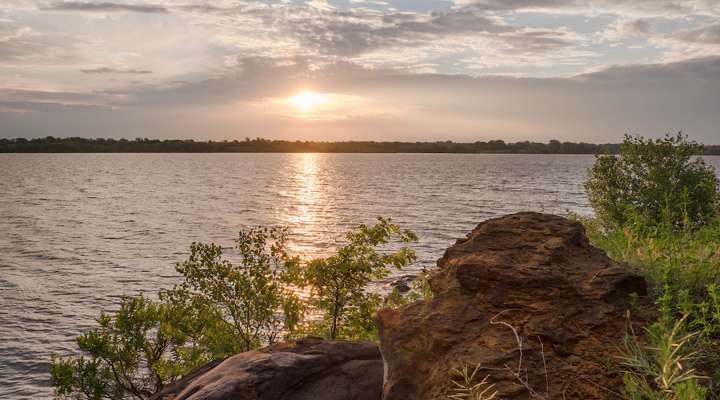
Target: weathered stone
x,y
530,273
402,284
307,369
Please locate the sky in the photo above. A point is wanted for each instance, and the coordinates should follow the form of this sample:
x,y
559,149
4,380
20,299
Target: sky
x,y
410,70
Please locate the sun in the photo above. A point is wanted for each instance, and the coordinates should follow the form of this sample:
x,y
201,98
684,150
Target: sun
x,y
307,100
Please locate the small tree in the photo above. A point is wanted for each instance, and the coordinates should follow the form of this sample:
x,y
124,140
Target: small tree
x,y
131,354
219,309
338,284
658,181
250,301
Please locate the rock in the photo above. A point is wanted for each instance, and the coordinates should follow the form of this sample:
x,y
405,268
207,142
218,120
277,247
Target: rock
x,y
402,284
307,369
528,273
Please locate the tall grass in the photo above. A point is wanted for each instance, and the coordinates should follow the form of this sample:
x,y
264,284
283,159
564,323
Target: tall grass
x,y
682,267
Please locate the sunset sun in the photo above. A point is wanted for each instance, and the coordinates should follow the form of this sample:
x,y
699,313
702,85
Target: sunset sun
x,y
307,100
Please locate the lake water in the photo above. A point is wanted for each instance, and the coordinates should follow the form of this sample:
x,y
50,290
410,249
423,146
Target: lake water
x,y
78,231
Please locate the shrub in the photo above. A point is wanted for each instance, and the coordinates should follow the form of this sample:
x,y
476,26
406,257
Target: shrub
x,y
219,309
133,352
657,210
250,301
338,284
654,180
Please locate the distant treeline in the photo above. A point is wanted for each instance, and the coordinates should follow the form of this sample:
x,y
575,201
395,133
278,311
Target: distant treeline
x,y
143,145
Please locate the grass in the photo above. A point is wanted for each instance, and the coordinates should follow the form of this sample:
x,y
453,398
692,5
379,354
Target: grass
x,y
677,357
469,387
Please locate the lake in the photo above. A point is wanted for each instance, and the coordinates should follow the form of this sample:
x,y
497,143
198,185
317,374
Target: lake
x,y
78,231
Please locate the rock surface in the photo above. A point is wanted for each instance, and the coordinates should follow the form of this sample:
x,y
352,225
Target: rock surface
x,y
528,273
307,369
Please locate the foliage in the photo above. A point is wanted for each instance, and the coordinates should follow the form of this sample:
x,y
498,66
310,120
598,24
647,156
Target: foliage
x,y
652,181
219,308
338,284
468,388
420,288
251,301
685,260
663,369
133,352
683,270
139,145
656,210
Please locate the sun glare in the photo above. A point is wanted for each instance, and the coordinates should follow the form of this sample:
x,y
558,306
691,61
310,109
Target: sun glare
x,y
307,101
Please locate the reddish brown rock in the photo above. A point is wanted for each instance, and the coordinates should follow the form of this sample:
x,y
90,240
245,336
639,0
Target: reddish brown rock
x,y
536,274
308,369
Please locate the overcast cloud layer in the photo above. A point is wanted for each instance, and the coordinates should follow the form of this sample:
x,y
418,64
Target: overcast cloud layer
x,y
391,69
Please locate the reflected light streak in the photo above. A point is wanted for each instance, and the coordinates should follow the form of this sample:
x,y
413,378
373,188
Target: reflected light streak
x,y
306,202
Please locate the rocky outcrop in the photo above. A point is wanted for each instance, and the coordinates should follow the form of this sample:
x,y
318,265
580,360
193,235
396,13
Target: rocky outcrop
x,y
307,369
526,296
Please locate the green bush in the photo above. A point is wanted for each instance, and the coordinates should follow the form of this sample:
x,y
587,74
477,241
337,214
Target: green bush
x,y
338,284
222,307
249,302
654,180
657,210
683,270
133,352
218,309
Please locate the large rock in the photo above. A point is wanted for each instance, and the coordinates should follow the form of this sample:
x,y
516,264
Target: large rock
x,y
531,274
307,369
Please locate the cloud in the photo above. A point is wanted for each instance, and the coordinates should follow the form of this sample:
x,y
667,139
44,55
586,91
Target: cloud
x,y
21,45
709,34
689,43
647,8
515,4
105,7
108,70
648,99
638,27
398,39
705,69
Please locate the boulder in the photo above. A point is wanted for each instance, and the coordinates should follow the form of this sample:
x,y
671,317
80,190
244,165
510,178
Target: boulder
x,y
526,297
306,369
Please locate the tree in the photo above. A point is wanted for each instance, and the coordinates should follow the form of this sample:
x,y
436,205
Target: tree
x,y
219,309
131,354
654,180
250,301
338,284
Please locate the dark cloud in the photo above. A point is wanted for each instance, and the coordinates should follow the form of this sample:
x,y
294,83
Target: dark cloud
x,y
59,98
107,70
105,7
709,34
638,27
705,69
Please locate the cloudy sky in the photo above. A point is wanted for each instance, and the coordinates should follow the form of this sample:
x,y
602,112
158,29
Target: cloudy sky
x,y
461,70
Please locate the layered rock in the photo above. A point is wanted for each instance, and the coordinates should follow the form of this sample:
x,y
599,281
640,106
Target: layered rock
x,y
307,369
526,296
